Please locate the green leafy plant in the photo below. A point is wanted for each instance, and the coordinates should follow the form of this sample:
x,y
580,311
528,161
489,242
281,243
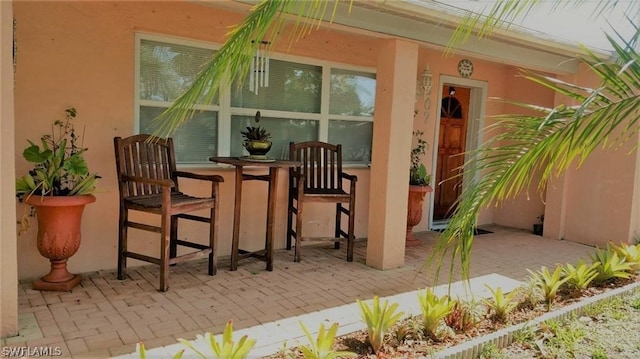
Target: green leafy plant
x,y
549,283
410,330
580,275
630,253
226,349
531,294
142,352
59,166
491,351
434,310
464,315
418,172
255,133
610,265
501,304
378,318
322,346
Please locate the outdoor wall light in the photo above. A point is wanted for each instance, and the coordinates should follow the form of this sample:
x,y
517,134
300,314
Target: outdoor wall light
x,y
426,83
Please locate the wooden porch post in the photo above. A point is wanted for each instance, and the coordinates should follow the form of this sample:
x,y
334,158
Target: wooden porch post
x,y
392,135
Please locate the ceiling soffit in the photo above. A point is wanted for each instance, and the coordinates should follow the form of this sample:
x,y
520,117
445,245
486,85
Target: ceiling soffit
x,y
433,29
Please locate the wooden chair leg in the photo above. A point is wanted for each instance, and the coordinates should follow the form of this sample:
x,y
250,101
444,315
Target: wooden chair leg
x,y
122,243
298,251
290,209
336,244
164,251
173,238
213,240
352,222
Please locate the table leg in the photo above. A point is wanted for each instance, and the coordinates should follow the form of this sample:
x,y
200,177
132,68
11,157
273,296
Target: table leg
x,y
273,180
235,243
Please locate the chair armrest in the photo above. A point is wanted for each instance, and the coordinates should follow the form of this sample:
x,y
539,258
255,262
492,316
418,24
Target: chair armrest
x,y
349,177
212,178
149,181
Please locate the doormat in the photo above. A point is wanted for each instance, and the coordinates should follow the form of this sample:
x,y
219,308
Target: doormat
x,y
476,232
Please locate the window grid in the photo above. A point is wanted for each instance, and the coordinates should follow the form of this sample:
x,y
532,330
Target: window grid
x,y
225,111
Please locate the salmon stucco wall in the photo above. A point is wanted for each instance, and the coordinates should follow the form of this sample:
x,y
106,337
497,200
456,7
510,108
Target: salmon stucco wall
x,y
8,242
82,54
499,79
525,209
593,203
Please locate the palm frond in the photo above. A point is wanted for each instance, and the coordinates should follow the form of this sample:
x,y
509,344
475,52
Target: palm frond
x,y
232,61
501,14
549,143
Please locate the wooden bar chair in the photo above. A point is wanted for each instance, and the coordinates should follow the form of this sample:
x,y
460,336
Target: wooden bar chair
x,y
148,182
319,179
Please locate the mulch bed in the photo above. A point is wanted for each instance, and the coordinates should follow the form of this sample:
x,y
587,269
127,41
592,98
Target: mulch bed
x,y
416,346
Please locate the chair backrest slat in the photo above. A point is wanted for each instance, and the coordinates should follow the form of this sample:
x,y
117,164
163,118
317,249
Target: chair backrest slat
x,y
147,157
321,165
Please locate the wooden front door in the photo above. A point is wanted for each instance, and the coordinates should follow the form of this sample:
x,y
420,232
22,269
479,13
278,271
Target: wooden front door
x,y
451,145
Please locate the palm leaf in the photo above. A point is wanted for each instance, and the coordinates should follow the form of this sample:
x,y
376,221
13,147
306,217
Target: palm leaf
x,y
232,61
606,117
501,14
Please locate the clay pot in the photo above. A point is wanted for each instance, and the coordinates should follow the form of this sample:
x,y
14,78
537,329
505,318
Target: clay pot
x,y
59,219
414,212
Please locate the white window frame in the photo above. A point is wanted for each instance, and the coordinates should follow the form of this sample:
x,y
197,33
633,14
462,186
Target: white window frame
x,y
224,109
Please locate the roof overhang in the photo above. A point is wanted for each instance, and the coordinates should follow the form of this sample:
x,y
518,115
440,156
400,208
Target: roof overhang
x,y
432,28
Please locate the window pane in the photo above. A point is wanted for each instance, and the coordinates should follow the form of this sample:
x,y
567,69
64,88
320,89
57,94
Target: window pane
x,y
195,141
352,93
282,132
166,70
292,87
355,138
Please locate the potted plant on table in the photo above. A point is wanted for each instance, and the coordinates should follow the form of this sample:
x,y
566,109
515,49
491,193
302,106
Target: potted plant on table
x,y
58,187
419,186
256,140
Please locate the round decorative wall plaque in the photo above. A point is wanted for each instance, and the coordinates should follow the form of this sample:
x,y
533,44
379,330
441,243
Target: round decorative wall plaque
x,y
465,68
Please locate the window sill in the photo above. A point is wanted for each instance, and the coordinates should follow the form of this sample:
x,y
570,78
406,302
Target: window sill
x,y
225,167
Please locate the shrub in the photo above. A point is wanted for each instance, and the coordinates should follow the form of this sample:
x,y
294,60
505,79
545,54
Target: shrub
x,y
549,283
630,253
610,265
464,315
580,275
500,304
434,309
322,346
378,318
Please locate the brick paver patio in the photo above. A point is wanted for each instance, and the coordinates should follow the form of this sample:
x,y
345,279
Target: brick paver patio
x,y
106,317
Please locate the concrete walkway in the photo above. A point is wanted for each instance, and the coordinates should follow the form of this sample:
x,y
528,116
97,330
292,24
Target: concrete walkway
x,y
106,317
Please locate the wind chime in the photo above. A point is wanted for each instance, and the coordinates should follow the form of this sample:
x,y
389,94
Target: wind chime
x,y
259,71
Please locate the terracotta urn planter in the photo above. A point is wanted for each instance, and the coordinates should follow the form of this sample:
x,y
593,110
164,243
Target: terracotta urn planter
x,y
414,212
59,219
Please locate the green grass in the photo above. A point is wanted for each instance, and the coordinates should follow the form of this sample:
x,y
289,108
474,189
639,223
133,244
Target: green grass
x,y
608,329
